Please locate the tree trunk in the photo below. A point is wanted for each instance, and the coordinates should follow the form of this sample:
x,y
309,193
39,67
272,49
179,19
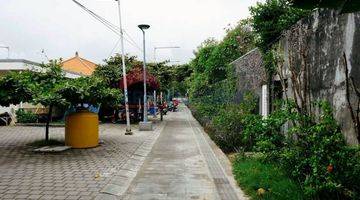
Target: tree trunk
x,y
48,119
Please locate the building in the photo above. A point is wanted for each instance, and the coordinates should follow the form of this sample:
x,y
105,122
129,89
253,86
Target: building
x,y
79,65
8,65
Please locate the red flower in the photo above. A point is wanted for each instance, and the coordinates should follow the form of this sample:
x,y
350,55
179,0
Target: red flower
x,y
330,168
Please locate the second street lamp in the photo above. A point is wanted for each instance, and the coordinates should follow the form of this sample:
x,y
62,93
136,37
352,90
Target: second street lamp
x,y
145,125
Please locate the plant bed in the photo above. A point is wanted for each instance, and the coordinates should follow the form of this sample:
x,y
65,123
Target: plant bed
x,y
263,180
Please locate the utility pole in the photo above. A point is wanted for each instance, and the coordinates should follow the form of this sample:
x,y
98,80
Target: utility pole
x,y
128,126
8,50
156,48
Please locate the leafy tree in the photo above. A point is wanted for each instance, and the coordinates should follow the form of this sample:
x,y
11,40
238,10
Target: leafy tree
x,y
44,86
271,18
238,41
211,63
49,87
89,90
163,73
13,88
111,72
40,87
345,6
202,54
171,77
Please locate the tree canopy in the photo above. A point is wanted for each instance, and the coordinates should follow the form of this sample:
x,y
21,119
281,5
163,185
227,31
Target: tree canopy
x,y
49,87
271,18
345,6
212,58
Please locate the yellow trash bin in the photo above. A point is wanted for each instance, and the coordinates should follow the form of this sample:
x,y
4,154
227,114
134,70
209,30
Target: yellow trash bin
x,y
82,130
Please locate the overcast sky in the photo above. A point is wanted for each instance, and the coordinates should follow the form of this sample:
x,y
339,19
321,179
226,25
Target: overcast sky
x,y
60,27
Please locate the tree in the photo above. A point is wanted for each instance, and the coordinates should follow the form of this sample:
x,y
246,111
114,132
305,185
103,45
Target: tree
x,y
14,88
163,73
238,41
345,6
49,87
37,87
211,65
111,72
181,74
45,86
271,18
89,90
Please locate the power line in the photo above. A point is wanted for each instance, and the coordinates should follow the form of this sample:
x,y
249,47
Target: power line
x,y
109,25
112,51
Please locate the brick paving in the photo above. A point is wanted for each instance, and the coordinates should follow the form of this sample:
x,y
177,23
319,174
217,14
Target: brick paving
x,y
73,174
175,161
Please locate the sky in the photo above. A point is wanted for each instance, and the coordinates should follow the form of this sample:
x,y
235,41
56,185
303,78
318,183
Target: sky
x,y
60,27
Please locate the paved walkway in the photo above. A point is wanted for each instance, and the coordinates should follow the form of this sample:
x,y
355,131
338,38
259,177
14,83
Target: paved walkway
x,y
176,161
183,164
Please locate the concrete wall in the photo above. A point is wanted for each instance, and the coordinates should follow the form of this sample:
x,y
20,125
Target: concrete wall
x,y
319,43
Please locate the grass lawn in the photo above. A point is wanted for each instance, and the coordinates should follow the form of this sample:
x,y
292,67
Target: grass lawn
x,y
252,175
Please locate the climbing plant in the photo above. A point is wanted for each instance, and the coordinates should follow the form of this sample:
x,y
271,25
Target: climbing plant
x,y
211,64
269,20
345,6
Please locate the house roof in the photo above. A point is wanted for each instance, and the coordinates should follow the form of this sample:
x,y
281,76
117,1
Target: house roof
x,y
7,65
79,65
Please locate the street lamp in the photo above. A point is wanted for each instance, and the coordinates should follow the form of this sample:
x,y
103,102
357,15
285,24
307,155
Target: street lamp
x,y
128,126
169,47
145,125
8,50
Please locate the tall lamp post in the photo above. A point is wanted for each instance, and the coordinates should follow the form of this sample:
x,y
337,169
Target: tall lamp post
x,y
128,126
145,125
169,47
8,50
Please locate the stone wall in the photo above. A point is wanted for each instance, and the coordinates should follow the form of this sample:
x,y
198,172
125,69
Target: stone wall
x,y
316,48
250,74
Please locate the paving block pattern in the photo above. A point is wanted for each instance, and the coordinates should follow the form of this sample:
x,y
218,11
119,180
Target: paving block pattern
x,y
72,174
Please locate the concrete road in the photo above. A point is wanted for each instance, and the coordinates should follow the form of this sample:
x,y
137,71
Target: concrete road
x,y
184,164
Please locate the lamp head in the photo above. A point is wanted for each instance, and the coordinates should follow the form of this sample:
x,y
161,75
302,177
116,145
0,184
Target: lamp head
x,y
144,26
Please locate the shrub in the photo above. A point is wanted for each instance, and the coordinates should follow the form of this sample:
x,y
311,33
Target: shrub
x,y
204,112
264,134
24,116
314,152
319,158
226,128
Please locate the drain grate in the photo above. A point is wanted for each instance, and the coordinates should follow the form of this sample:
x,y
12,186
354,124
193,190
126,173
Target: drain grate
x,y
223,186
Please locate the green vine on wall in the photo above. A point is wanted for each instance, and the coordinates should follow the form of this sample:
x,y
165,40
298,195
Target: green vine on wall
x,y
269,20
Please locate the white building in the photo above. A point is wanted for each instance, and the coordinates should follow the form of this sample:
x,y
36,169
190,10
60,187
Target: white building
x,y
7,65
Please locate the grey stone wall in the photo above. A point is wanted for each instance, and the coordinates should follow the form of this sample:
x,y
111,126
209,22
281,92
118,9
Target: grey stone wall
x,y
319,43
250,74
